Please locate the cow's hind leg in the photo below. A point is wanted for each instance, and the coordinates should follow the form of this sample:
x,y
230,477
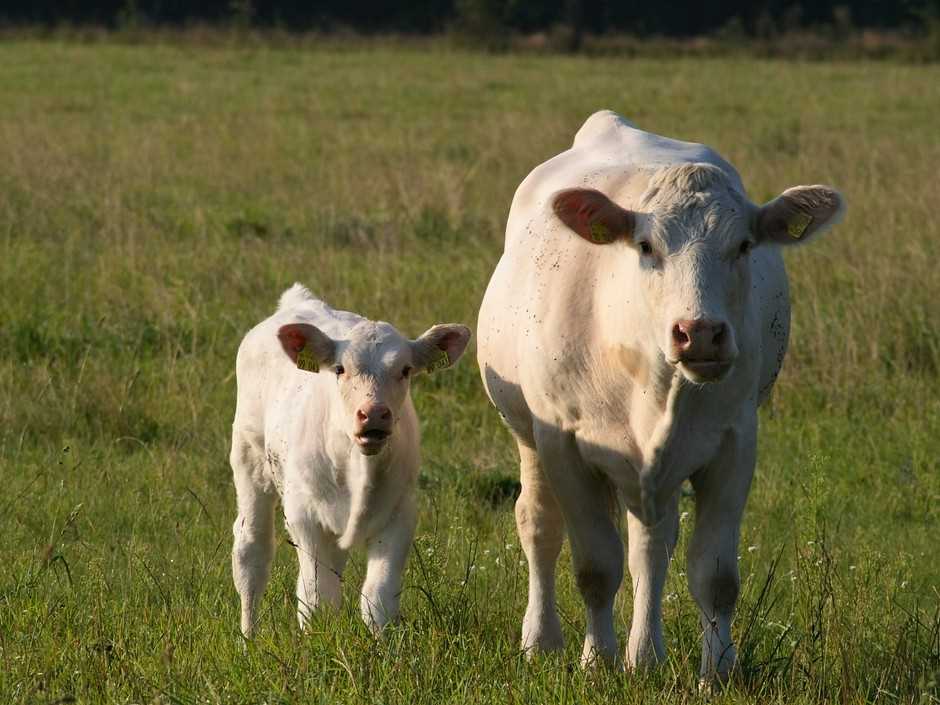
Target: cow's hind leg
x,y
253,530
721,492
649,550
319,558
589,506
541,533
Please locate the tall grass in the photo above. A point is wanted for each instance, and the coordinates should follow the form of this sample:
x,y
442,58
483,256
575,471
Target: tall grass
x,y
155,201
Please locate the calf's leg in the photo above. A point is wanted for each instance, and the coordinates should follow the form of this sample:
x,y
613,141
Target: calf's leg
x,y
253,530
320,562
541,532
387,553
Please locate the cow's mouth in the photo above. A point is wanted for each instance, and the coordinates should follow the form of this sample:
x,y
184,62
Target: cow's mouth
x,y
371,441
704,370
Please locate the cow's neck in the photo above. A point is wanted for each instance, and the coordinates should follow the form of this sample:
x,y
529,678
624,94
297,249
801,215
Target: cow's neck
x,y
659,402
654,474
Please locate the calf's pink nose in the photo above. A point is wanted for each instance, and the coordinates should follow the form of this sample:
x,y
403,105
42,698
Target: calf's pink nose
x,y
371,415
698,339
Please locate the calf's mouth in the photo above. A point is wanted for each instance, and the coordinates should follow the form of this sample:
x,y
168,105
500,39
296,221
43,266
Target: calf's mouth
x,y
372,440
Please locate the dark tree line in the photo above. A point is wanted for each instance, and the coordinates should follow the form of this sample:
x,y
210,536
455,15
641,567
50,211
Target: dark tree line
x,y
676,18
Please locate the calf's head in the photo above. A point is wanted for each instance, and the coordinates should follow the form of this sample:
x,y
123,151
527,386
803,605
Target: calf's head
x,y
372,367
690,245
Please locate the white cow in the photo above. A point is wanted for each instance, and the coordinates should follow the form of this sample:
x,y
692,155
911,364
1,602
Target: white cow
x,y
324,420
637,318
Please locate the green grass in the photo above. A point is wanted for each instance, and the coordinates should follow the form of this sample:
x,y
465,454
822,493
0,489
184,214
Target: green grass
x,y
155,201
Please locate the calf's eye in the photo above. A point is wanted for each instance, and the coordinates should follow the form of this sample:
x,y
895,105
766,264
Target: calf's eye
x,y
406,371
645,247
745,247
339,370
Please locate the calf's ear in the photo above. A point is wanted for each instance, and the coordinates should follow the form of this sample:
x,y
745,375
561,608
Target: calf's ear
x,y
307,346
440,346
799,215
593,216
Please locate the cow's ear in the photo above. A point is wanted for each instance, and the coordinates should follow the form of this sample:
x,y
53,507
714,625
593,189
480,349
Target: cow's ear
x,y
307,346
440,346
593,216
799,215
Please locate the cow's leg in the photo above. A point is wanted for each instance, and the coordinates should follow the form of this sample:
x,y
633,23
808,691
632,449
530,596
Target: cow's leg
x,y
320,561
721,491
387,554
541,533
589,507
253,530
649,550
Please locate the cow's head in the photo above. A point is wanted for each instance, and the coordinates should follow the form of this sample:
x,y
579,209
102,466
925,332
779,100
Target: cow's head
x,y
692,240
372,367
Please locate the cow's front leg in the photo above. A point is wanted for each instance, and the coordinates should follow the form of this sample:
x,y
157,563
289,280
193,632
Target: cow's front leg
x,y
387,554
649,551
541,533
589,506
721,491
320,562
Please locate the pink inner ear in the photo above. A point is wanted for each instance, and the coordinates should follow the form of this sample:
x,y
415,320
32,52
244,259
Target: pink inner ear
x,y
448,342
592,215
577,209
292,339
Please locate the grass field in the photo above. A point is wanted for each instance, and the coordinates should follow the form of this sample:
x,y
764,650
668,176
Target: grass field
x,y
155,201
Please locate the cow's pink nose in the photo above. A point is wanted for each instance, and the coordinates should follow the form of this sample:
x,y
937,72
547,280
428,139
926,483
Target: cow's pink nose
x,y
374,416
700,339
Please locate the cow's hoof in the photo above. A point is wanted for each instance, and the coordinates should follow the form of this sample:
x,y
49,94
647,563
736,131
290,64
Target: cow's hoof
x,y
714,683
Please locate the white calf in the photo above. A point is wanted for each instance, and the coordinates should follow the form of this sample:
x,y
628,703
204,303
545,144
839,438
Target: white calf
x,y
324,419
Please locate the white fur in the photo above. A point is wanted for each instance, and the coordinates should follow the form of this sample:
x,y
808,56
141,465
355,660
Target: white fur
x,y
574,351
291,439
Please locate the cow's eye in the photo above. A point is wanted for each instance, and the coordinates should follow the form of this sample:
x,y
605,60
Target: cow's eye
x,y
339,370
645,247
406,371
745,247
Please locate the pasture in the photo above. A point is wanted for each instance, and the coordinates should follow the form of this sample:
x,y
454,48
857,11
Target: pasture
x,y
156,200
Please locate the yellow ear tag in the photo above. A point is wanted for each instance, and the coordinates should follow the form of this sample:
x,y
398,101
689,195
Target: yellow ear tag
x,y
306,361
600,233
441,361
798,225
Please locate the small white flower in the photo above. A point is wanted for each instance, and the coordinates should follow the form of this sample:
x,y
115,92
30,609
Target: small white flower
x,y
681,573
683,516
497,560
486,552
851,567
903,584
751,549
810,543
508,546
521,562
